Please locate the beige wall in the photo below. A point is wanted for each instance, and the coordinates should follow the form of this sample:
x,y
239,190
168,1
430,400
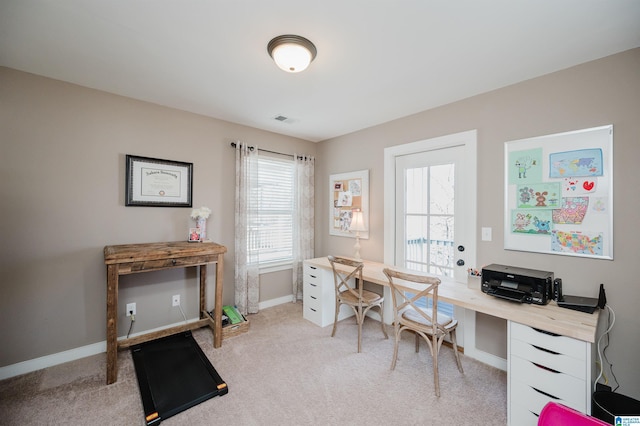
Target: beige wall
x,y
62,179
605,91
62,174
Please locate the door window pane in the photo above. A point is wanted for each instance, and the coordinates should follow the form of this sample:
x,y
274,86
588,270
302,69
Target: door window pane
x,y
429,222
441,189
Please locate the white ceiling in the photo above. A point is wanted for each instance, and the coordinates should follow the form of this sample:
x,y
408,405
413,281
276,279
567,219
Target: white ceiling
x,y
378,60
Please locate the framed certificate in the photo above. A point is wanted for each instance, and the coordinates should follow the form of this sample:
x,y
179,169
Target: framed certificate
x,y
153,182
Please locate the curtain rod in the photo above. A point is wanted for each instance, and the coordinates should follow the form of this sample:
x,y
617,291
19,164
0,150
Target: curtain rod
x,y
300,157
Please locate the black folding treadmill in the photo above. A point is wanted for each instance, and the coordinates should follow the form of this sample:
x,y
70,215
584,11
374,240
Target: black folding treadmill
x,y
174,375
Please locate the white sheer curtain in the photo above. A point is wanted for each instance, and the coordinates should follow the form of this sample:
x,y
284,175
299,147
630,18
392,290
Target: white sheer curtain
x,y
303,219
247,293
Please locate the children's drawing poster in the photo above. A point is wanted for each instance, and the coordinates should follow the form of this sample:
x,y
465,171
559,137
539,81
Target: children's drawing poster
x,y
578,186
539,195
525,166
559,193
348,192
573,210
532,222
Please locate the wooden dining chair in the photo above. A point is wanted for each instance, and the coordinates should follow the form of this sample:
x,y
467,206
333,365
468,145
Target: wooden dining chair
x,y
406,290
356,297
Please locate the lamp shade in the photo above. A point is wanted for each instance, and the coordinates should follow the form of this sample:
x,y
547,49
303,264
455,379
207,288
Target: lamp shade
x,y
292,53
357,222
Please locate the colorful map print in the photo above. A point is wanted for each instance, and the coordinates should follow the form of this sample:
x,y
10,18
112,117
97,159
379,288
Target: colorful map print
x,y
576,242
583,162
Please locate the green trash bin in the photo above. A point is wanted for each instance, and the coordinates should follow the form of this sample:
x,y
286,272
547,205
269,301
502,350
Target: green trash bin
x,y
607,405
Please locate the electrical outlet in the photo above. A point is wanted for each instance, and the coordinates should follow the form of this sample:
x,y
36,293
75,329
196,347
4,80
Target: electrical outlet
x,y
175,300
131,307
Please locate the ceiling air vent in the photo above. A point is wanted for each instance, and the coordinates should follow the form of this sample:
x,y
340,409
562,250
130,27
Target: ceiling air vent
x,y
281,118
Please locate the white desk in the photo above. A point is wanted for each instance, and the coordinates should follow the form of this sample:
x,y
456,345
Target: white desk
x,y
570,365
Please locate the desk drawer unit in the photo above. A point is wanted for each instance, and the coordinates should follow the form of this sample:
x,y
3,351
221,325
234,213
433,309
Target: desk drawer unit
x,y
319,297
545,367
313,295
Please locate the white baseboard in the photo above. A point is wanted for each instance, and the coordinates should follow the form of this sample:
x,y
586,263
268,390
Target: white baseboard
x,y
486,358
51,360
275,302
94,348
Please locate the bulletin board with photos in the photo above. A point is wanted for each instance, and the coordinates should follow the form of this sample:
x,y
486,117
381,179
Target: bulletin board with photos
x,y
348,192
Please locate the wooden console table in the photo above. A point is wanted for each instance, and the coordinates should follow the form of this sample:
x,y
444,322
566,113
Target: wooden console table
x,y
135,258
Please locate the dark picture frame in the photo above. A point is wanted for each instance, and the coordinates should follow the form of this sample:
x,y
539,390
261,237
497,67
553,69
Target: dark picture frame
x,y
153,182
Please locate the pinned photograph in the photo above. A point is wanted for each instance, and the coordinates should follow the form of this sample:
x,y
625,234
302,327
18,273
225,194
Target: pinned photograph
x,y
345,199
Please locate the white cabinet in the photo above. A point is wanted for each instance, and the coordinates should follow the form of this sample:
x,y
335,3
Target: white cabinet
x,y
319,300
545,367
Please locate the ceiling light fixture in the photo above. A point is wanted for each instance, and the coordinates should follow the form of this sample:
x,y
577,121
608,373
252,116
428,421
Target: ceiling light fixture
x,y
292,53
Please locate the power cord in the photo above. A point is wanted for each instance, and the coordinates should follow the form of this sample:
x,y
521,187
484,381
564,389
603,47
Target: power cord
x,y
183,315
604,354
611,319
133,319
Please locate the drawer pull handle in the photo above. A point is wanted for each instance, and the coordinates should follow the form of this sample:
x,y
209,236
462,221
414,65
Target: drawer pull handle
x,y
312,276
545,332
313,297
313,267
313,309
546,368
313,285
545,394
173,261
546,350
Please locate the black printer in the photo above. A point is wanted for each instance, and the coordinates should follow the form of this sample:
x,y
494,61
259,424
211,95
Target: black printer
x,y
518,284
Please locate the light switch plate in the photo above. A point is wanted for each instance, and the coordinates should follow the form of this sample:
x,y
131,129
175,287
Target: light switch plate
x,y
486,234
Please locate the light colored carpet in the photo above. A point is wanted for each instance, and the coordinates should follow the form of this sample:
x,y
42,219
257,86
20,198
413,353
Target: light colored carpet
x,y
284,371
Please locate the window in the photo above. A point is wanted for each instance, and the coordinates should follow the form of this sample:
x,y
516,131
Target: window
x,y
271,230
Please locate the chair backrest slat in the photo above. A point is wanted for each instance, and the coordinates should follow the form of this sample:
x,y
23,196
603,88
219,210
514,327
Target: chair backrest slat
x,y
420,286
341,277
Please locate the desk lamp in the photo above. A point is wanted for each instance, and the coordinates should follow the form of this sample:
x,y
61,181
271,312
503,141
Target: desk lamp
x,y
357,225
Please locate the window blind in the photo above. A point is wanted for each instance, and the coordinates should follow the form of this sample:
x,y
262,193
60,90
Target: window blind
x,y
271,231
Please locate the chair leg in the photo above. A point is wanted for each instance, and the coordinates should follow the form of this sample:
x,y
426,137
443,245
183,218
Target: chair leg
x,y
395,346
417,342
360,319
455,350
335,319
384,330
436,378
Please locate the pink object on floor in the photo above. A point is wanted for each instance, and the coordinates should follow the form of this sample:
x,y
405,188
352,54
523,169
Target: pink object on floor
x,y
554,414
